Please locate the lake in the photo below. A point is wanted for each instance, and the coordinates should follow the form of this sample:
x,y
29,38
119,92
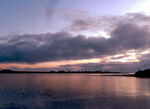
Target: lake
x,y
73,91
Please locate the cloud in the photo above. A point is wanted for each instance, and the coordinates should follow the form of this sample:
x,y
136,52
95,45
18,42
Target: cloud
x,y
111,66
129,32
48,47
51,4
107,23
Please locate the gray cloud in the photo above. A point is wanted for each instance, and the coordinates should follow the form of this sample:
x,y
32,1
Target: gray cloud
x,y
48,47
107,23
51,6
50,11
127,34
112,66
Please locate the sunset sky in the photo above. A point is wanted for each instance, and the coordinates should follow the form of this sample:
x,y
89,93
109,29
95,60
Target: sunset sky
x,y
48,35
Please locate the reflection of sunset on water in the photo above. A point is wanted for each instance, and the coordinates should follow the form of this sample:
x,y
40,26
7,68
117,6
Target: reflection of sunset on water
x,y
81,90
78,83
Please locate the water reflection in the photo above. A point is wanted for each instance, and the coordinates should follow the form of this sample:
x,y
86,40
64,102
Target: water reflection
x,y
73,91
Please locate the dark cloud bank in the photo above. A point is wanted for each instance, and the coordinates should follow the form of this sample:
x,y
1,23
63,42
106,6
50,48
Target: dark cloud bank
x,y
127,32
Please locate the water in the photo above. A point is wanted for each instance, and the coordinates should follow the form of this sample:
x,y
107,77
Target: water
x,y
73,91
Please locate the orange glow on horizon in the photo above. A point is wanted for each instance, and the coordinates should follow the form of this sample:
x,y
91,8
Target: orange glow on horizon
x,y
53,64
128,57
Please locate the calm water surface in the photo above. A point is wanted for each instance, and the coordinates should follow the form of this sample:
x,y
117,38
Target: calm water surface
x,y
73,91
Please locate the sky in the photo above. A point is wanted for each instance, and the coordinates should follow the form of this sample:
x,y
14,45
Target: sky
x,y
75,35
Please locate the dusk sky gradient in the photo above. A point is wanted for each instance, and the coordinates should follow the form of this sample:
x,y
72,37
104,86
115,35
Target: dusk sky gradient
x,y
75,35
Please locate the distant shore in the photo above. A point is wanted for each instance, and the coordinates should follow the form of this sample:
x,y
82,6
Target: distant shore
x,y
7,71
140,74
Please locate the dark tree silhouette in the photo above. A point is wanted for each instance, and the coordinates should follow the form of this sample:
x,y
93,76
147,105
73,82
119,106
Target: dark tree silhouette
x,y
144,73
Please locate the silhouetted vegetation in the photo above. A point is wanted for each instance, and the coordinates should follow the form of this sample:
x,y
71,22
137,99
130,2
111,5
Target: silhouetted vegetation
x,y
61,71
144,73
